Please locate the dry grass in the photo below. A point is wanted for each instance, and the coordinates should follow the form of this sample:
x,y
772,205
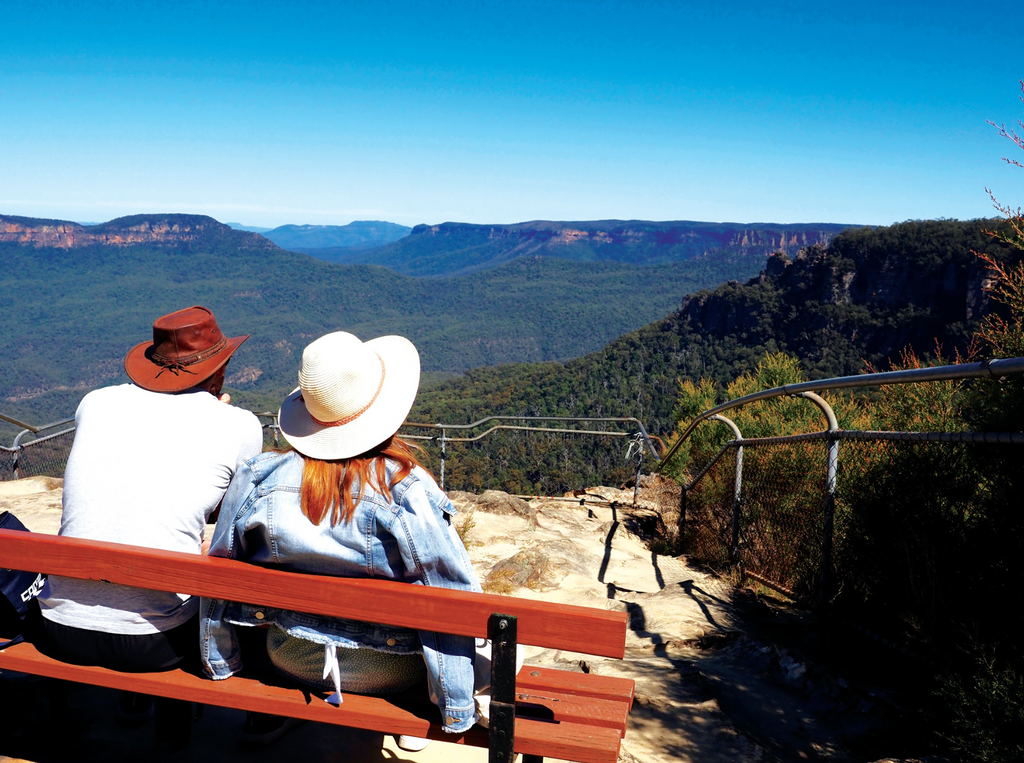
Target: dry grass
x,y
500,581
465,527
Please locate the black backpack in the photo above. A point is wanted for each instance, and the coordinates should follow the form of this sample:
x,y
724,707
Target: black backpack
x,y
17,589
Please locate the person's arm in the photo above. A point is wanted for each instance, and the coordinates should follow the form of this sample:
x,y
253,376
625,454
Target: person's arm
x,y
434,555
219,647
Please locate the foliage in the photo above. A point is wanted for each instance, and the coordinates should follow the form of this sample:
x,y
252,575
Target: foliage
x,y
764,418
927,407
979,707
981,713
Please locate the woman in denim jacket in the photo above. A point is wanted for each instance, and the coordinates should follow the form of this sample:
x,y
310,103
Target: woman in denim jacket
x,y
350,500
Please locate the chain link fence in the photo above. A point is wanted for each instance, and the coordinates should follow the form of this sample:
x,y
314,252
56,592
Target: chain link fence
x,y
919,529
783,499
775,528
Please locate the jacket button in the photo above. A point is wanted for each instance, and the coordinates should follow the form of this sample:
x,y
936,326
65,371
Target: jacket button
x,y
259,615
391,642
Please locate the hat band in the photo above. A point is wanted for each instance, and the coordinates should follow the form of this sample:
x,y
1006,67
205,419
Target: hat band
x,y
352,417
189,360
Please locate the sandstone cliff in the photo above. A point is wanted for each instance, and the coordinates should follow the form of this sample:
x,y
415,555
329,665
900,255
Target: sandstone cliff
x,y
534,236
459,248
125,231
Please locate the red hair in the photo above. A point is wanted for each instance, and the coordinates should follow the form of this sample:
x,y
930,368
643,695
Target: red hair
x,y
327,485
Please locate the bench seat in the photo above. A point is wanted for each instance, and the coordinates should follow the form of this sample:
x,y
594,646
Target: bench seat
x,y
547,723
559,714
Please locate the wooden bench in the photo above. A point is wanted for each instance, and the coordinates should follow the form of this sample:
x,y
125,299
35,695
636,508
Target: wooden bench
x,y
542,712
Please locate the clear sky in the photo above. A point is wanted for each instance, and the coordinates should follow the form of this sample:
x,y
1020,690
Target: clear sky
x,y
325,113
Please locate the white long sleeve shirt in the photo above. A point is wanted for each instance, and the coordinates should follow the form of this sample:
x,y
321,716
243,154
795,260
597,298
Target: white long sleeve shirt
x,y
148,469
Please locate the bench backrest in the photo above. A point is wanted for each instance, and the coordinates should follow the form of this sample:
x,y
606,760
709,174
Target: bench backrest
x,y
559,626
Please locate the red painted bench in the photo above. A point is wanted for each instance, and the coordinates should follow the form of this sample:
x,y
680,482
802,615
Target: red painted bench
x,y
541,712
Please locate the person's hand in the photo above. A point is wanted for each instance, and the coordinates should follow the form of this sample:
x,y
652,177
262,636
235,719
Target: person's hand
x,y
225,398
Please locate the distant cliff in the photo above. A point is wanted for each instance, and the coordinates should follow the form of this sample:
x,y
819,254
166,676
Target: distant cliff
x,y
864,297
125,231
459,248
695,237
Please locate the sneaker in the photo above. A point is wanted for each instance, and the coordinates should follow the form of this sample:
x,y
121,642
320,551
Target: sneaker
x,y
262,730
411,744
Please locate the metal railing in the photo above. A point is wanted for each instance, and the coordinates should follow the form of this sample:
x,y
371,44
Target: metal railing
x,y
641,438
775,510
44,450
47,455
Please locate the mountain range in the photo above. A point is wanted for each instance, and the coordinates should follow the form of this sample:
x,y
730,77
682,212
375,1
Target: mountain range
x,y
333,243
584,327
462,248
860,300
86,293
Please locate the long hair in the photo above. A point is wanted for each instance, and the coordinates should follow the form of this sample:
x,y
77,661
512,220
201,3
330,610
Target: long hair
x,y
327,485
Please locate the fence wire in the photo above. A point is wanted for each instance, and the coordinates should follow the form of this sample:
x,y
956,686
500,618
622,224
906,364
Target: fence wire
x,y
917,524
44,456
8,458
557,461
548,463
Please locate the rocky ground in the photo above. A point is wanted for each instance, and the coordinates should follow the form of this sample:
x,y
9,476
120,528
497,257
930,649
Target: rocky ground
x,y
722,674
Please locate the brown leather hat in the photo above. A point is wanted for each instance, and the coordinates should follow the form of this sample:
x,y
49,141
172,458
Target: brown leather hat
x,y
187,348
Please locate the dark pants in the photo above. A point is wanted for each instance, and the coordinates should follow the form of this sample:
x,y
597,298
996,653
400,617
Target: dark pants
x,y
127,653
142,653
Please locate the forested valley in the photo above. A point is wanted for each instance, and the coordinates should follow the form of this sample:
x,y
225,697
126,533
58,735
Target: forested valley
x,y
82,295
837,310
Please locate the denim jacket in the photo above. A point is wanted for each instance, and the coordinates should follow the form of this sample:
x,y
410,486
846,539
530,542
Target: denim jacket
x,y
409,538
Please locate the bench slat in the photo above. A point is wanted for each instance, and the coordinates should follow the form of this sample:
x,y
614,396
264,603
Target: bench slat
x,y
593,740
547,704
557,626
532,678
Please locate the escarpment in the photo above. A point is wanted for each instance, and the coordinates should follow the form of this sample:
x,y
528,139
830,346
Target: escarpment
x,y
125,231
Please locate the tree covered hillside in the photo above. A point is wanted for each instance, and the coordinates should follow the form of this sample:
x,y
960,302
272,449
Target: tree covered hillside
x,y
862,299
460,248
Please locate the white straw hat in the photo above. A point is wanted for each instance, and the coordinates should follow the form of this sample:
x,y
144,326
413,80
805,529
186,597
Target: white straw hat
x,y
352,395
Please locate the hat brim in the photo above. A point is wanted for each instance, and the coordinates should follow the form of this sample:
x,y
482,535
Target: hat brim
x,y
381,420
156,378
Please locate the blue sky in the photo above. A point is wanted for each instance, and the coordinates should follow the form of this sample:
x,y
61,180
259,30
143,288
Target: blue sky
x,y
273,113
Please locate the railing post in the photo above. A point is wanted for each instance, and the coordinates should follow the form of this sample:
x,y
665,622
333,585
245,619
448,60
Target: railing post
x,y
828,520
636,449
737,490
18,450
443,445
